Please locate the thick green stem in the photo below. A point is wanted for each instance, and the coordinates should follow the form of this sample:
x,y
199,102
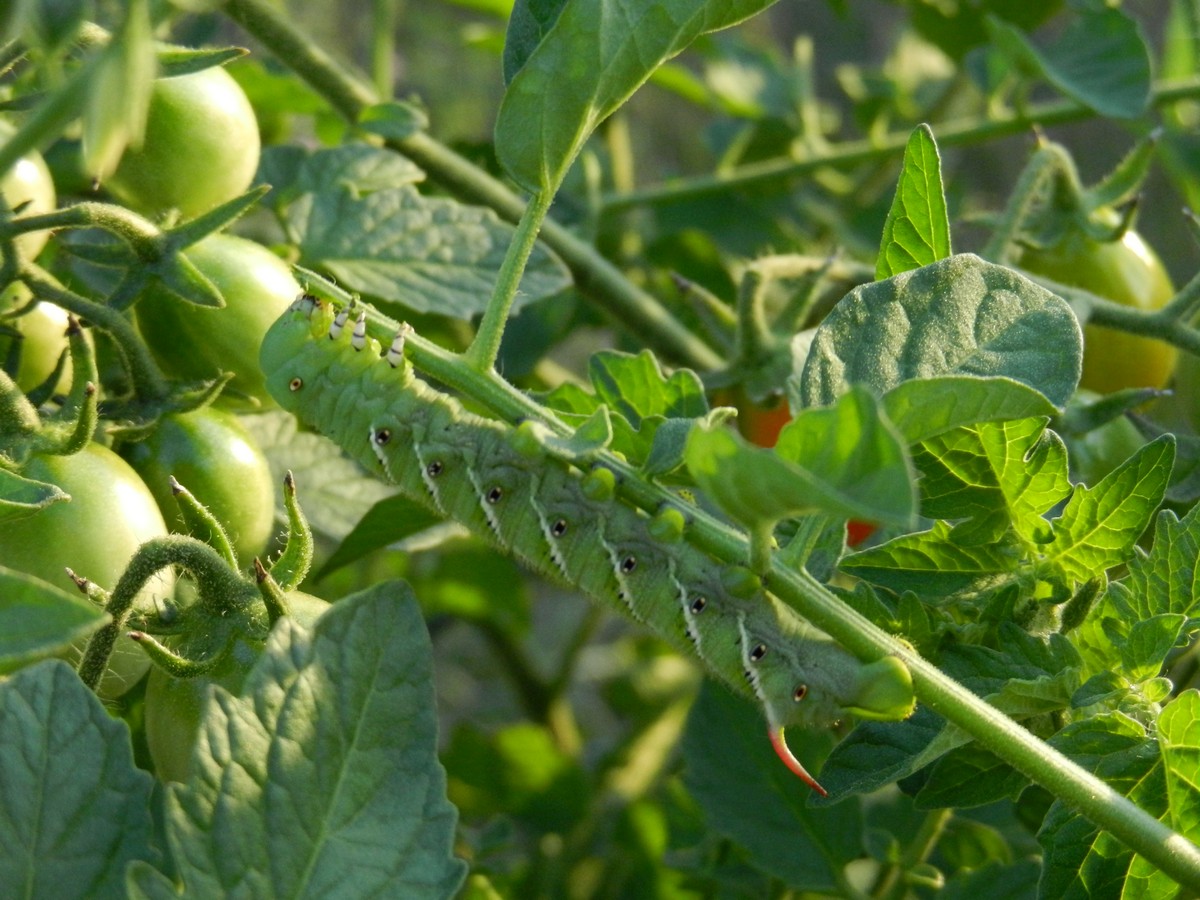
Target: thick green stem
x,y
485,348
846,154
595,276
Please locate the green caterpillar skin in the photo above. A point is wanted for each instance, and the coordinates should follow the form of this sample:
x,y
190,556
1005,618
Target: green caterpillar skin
x,y
563,522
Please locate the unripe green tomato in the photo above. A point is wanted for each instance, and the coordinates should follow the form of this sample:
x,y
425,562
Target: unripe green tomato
x,y
211,454
28,180
200,148
191,342
1125,271
110,514
174,705
43,340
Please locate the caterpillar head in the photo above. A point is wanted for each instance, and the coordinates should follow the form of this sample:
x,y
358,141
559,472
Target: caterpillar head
x,y
286,344
807,679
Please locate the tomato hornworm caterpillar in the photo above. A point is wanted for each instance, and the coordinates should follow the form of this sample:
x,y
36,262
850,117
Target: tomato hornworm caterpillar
x,y
567,520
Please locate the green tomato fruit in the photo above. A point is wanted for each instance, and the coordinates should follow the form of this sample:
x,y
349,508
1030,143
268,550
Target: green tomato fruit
x,y
28,181
174,706
110,514
1125,271
211,454
43,336
191,342
200,148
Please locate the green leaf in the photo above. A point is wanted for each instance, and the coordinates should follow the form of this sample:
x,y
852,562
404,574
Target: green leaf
x,y
38,620
1010,472
748,797
935,562
957,316
390,520
876,754
334,491
1179,743
426,254
21,497
76,809
635,386
917,230
969,777
845,460
596,54
923,408
324,773
528,24
1100,525
357,168
394,120
1101,59
1148,643
1167,579
1079,859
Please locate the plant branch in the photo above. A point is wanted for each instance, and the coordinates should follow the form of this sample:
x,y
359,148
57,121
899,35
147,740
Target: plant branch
x,y
595,276
968,130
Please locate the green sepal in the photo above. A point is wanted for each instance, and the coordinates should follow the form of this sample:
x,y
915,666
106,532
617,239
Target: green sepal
x,y
273,597
171,662
293,563
202,523
21,496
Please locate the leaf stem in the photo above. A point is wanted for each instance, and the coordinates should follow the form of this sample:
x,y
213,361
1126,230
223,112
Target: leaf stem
x,y
485,347
595,276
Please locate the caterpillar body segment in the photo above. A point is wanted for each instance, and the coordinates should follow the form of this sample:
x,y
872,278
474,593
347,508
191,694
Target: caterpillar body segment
x,y
567,523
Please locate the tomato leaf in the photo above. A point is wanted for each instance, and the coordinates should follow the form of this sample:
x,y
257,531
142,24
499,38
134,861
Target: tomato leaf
x,y
389,521
596,54
76,809
957,316
751,799
845,460
324,773
426,254
1101,59
1100,525
917,230
923,408
37,619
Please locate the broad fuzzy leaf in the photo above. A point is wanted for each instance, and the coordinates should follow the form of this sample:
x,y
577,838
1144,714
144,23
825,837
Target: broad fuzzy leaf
x,y
957,316
37,619
324,774
76,811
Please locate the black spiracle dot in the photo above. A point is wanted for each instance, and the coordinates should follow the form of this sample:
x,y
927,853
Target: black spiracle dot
x,y
434,469
559,528
494,495
382,436
295,384
628,564
800,692
698,604
758,652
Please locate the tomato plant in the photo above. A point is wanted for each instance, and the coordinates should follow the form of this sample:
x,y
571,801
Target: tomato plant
x,y
194,342
1128,272
211,454
603,268
110,513
200,148
174,705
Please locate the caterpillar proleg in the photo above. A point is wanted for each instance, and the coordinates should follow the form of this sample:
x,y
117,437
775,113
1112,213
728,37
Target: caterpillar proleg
x,y
566,522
